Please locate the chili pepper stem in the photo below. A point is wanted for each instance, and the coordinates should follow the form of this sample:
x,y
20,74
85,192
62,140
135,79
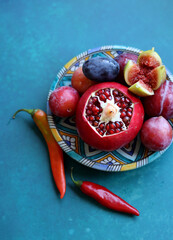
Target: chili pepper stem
x,y
30,111
77,183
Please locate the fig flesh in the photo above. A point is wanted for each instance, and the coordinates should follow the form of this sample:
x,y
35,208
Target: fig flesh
x,y
141,89
149,58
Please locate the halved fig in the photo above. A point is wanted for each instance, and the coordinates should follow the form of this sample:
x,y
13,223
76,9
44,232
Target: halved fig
x,y
157,76
149,58
141,89
148,69
131,72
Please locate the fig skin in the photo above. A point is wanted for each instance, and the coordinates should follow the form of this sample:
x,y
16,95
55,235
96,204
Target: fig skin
x,y
156,133
113,141
122,59
161,103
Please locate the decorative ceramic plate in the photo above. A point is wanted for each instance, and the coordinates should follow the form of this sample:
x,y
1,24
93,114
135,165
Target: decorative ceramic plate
x,y
132,156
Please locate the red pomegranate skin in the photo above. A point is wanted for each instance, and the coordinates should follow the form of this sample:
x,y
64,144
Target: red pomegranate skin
x,y
113,141
156,133
161,103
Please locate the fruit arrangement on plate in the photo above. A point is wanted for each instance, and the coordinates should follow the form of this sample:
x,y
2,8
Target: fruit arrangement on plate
x,y
110,108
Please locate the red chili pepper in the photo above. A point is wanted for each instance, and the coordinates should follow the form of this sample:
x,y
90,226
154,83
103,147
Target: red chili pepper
x,y
55,152
105,197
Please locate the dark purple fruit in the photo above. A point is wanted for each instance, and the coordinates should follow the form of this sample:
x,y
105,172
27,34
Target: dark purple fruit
x,y
101,69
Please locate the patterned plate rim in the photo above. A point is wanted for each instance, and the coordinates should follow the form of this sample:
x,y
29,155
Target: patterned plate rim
x,y
85,161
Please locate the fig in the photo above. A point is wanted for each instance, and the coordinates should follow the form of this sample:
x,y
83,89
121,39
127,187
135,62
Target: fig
x,y
108,116
161,103
122,59
149,58
156,133
148,69
141,89
101,69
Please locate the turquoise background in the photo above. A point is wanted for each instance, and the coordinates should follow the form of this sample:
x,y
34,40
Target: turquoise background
x,y
36,39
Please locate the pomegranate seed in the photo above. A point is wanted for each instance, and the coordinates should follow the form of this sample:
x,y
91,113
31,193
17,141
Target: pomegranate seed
x,y
90,101
112,125
127,100
95,123
102,126
117,124
100,110
121,124
123,114
107,93
91,118
103,97
117,99
129,109
101,133
97,118
101,91
94,99
119,104
120,94
124,105
117,130
110,97
111,131
126,119
129,114
89,106
123,110
98,129
88,112
95,109
115,93
87,117
122,99
107,127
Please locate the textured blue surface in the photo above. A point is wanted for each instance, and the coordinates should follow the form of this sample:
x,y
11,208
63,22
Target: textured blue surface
x,y
36,39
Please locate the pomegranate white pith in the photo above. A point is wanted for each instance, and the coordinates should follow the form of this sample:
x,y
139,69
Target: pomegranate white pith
x,y
108,116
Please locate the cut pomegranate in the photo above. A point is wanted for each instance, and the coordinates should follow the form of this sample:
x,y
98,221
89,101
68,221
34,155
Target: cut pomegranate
x,y
108,116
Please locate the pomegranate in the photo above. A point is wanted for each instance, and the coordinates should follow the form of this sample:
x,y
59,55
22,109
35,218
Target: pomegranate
x,y
108,116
